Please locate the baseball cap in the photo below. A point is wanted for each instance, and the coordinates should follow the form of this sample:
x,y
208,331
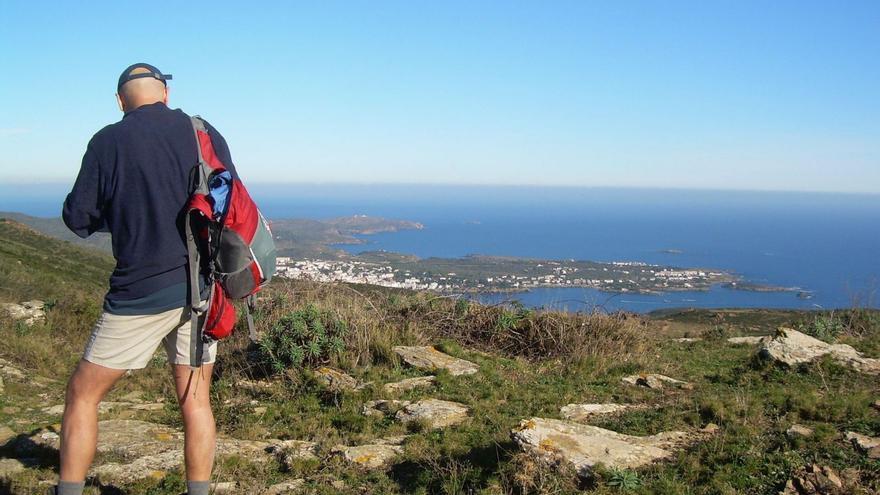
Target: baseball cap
x,y
153,72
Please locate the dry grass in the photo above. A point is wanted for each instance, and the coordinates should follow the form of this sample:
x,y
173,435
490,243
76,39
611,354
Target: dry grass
x,y
379,318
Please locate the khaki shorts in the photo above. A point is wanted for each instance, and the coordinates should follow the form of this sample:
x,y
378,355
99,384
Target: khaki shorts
x,y
128,342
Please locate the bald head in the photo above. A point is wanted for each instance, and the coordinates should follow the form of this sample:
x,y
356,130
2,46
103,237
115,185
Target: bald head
x,y
142,91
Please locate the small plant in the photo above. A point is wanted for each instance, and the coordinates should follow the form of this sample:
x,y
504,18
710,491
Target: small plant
x,y
624,479
825,328
305,337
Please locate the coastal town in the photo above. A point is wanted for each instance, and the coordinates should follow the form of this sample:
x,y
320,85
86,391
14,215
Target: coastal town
x,y
484,273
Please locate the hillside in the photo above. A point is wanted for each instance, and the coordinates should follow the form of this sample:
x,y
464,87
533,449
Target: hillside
x,y
509,401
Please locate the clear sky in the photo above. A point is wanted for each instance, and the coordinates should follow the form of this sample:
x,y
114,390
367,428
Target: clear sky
x,y
778,95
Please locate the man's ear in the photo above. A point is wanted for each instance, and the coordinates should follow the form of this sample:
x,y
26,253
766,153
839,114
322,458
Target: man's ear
x,y
120,102
165,98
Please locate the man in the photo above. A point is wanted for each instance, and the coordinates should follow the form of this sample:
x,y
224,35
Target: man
x,y
134,183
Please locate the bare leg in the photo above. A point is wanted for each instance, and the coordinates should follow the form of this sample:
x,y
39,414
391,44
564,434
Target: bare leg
x,y
193,394
79,427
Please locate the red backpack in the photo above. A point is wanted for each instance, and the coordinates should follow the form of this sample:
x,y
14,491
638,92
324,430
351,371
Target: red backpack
x,y
229,240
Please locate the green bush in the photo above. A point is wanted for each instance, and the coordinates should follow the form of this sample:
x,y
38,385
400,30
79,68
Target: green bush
x,y
825,328
306,337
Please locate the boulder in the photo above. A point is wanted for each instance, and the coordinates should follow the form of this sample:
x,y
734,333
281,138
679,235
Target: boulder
x,y
372,456
337,381
750,340
409,384
582,412
434,412
791,348
28,312
584,446
429,358
655,381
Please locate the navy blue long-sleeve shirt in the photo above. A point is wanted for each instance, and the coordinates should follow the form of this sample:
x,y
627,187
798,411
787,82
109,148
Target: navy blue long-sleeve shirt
x,y
134,183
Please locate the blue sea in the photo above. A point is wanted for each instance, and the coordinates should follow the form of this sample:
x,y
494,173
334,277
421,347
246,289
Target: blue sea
x,y
825,244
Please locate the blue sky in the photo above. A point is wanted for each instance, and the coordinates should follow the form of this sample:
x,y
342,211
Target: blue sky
x,y
733,95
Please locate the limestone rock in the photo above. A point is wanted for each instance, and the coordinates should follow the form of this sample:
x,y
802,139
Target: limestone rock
x,y
286,487
866,444
6,433
687,340
791,348
815,480
409,384
876,404
798,431
337,381
371,456
751,340
655,381
584,446
224,487
582,412
150,449
383,407
288,451
436,413
429,358
28,312
10,466
10,371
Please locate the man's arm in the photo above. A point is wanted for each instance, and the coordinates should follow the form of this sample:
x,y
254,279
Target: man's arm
x,y
83,211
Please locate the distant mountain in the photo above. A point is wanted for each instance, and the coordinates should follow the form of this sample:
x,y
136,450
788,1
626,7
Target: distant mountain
x,y
298,237
54,227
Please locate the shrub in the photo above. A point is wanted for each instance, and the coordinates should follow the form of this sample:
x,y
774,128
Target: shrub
x,y
624,479
824,327
306,337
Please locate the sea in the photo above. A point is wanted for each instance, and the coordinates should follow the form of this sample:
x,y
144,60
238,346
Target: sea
x,y
824,245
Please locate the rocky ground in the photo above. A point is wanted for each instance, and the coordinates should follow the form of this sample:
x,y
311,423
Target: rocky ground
x,y
140,454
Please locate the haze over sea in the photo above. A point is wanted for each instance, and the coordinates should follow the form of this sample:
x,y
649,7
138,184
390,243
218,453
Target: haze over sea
x,y
826,244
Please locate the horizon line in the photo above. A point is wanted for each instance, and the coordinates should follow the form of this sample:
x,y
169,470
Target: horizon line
x,y
276,184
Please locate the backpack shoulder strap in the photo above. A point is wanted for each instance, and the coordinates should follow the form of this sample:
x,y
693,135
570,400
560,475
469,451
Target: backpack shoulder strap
x,y
198,184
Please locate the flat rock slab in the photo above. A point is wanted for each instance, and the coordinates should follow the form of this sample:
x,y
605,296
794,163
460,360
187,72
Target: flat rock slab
x,y
110,406
150,450
584,446
687,340
409,384
866,444
582,412
371,456
750,340
655,381
792,348
436,413
799,431
337,381
10,466
28,312
429,358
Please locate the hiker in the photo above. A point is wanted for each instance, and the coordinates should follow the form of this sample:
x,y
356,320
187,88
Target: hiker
x,y
134,183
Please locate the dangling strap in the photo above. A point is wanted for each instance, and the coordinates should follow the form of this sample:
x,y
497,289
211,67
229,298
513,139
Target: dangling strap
x,y
195,300
248,308
197,180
